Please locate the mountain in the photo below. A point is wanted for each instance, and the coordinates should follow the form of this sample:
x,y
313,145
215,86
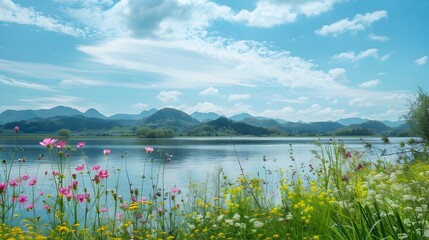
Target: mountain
x,y
170,118
205,117
351,121
227,127
143,114
18,115
76,123
311,128
240,117
93,113
394,124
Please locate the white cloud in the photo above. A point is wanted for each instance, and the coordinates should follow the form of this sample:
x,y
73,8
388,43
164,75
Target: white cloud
x,y
421,60
56,100
14,13
391,114
24,84
301,99
168,96
283,113
269,13
351,56
140,105
211,107
378,38
235,97
360,102
358,23
209,91
370,83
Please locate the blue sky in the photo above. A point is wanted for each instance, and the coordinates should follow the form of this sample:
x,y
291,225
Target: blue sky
x,y
297,60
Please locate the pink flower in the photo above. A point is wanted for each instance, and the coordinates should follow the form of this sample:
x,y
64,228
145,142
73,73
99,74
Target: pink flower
x,y
159,210
103,174
74,184
80,167
175,190
103,210
41,193
2,187
64,191
32,182
55,173
29,206
48,142
360,167
95,168
348,155
25,177
22,199
118,215
13,183
106,152
148,149
81,145
16,128
47,208
82,197
61,144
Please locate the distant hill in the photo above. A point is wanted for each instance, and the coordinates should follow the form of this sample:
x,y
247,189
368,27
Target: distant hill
x,y
170,118
143,114
366,128
205,117
311,128
93,113
53,124
351,121
240,117
227,127
18,115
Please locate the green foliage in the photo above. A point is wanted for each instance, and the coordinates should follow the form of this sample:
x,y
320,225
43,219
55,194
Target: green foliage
x,y
145,132
418,115
64,133
354,131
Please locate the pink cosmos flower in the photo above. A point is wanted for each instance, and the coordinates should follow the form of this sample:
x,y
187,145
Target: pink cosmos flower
x,y
175,190
41,193
61,144
2,187
55,173
48,142
106,152
95,168
118,215
25,177
81,145
16,128
29,206
348,155
103,174
22,199
159,210
82,197
13,183
103,210
80,167
32,182
64,191
149,149
47,208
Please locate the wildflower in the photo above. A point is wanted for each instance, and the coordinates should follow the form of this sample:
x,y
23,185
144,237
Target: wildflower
x,y
32,182
257,224
13,183
48,142
22,199
25,177
47,207
61,144
103,210
55,173
106,152
82,197
175,190
118,215
148,149
16,128
74,184
103,174
360,167
348,155
95,168
81,145
64,191
160,211
80,167
29,206
41,193
2,187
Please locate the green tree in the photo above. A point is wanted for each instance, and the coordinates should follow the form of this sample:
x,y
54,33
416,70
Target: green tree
x,y
64,133
418,115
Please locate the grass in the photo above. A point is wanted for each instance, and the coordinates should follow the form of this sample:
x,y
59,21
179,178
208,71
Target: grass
x,y
342,197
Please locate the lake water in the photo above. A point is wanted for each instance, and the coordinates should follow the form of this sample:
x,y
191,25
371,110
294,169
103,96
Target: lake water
x,y
193,158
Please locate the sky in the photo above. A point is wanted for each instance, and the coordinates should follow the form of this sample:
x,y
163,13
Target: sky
x,y
296,60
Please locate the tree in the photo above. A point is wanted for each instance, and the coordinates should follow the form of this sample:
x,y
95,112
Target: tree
x,y
418,115
65,133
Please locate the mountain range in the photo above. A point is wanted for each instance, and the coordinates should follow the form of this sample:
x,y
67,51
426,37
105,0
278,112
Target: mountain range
x,y
196,124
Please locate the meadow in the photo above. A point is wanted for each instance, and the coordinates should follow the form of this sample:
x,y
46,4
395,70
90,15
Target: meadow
x,y
343,196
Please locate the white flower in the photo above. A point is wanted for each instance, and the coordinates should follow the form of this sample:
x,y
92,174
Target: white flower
x,y
236,217
257,224
229,221
219,218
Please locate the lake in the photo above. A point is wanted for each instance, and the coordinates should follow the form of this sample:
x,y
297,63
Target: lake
x,y
193,158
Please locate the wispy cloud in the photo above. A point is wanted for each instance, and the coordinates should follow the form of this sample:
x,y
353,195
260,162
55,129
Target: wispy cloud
x,y
358,23
14,13
140,105
360,102
209,91
235,97
168,96
378,38
352,56
370,83
421,60
269,13
301,99
24,84
211,107
56,100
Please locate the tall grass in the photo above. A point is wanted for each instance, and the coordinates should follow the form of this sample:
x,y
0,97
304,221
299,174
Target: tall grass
x,y
342,196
